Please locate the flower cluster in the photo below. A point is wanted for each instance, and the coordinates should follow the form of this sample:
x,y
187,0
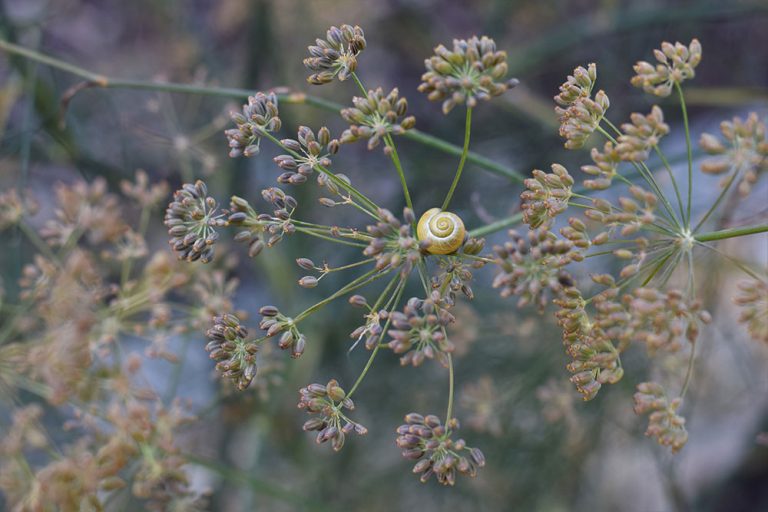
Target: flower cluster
x,y
393,244
327,404
605,167
259,115
744,153
419,332
192,219
309,152
336,55
580,115
546,195
676,64
753,301
260,230
234,354
426,439
376,116
273,322
473,70
529,266
664,423
641,135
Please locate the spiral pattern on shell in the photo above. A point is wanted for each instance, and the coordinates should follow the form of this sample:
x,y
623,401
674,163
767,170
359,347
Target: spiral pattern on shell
x,y
443,230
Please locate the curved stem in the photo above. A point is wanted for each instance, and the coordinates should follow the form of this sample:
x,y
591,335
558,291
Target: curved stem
x,y
690,152
464,152
689,371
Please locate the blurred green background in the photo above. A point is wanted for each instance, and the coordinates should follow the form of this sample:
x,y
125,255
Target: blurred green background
x,y
546,450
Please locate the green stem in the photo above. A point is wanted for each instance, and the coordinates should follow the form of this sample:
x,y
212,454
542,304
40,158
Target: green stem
x,y
726,188
462,161
359,282
672,177
689,148
396,160
449,412
731,233
398,295
689,371
498,225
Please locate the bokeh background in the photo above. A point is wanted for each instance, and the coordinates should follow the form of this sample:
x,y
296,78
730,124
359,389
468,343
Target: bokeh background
x,y
546,450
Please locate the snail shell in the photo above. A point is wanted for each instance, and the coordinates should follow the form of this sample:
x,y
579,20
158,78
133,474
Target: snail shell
x,y
443,230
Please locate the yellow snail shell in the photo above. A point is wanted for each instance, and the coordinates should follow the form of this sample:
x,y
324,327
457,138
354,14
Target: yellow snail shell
x,y
443,230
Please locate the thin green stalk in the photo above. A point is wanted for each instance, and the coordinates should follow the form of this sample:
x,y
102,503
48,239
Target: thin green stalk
x,y
38,242
396,160
397,296
449,412
359,282
360,84
689,148
462,161
731,233
726,188
498,225
672,177
689,371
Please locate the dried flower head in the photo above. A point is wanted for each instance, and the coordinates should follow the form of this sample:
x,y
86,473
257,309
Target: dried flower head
x,y
595,358
473,70
336,55
260,230
313,152
393,244
546,195
258,116
146,194
676,64
745,153
753,301
426,439
642,135
530,266
419,332
192,218
273,322
664,423
605,167
454,277
580,115
376,116
327,404
662,319
229,346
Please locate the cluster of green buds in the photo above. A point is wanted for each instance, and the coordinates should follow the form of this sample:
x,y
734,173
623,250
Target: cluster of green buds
x,y
309,152
473,70
546,195
259,115
328,403
427,440
393,244
530,266
744,153
192,218
641,135
336,55
260,230
273,322
664,424
419,332
234,354
676,63
579,114
376,116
